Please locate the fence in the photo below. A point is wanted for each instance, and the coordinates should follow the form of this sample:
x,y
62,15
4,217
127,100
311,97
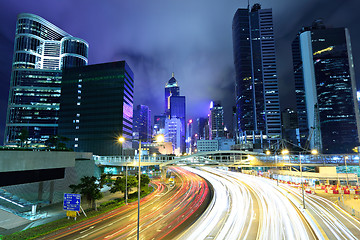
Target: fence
x,y
347,205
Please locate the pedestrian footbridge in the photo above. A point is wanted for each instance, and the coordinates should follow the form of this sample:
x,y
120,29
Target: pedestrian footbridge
x,y
233,158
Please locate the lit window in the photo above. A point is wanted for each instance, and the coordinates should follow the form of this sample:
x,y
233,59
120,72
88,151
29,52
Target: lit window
x,y
77,127
79,86
78,114
78,103
76,139
79,91
76,145
80,80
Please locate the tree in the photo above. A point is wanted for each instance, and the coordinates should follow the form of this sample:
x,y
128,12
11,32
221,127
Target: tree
x,y
105,178
23,135
120,184
57,142
144,180
89,187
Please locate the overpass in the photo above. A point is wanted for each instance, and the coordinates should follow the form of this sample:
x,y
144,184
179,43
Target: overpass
x,y
233,158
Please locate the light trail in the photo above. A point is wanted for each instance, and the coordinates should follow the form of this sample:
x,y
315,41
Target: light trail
x,y
334,222
162,212
231,214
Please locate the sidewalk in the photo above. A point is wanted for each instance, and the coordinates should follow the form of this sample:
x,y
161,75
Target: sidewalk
x,y
50,213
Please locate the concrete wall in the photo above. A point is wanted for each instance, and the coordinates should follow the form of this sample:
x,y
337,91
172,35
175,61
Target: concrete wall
x,y
31,160
76,165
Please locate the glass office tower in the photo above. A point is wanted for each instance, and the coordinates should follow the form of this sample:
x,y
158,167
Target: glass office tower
x,y
96,107
41,50
171,89
326,88
216,121
178,110
142,123
257,97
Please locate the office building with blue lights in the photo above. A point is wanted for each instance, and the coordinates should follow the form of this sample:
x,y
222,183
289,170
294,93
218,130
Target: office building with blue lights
x,y
326,89
216,120
142,123
172,89
41,50
175,107
258,119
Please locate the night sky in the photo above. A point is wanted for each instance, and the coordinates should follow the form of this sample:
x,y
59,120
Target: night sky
x,y
192,38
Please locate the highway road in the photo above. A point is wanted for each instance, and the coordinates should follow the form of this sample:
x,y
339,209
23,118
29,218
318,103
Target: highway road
x,y
245,207
251,207
164,213
332,222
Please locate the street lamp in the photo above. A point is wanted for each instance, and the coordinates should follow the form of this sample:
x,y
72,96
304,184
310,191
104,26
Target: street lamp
x,y
283,152
121,141
347,179
302,183
313,152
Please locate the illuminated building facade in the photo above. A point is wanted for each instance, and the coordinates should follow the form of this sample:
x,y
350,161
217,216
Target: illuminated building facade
x,y
326,88
142,123
171,89
97,107
159,124
178,110
189,137
257,98
175,107
202,123
41,50
173,133
216,120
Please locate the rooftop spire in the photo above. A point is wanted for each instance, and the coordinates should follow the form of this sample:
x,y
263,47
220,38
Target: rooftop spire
x,y
172,75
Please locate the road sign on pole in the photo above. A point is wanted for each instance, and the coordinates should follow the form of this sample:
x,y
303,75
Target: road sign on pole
x,y
72,202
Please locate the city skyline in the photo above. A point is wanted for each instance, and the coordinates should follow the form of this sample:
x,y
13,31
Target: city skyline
x,y
195,44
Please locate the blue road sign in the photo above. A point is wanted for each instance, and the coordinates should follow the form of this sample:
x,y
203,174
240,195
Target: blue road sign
x,y
72,202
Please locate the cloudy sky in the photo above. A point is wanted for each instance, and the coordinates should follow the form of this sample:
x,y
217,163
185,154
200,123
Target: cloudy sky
x,y
192,38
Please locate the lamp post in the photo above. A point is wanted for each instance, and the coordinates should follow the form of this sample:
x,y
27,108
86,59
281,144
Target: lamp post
x,y
158,138
313,152
347,179
283,152
121,141
302,183
277,169
138,222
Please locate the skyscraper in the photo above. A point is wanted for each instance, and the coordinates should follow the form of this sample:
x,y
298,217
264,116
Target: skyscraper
x,y
142,123
189,137
97,107
326,89
159,124
175,107
41,50
201,122
216,121
171,89
173,133
257,97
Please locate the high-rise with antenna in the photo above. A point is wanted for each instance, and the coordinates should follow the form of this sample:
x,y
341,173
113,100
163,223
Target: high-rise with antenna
x,y
257,98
